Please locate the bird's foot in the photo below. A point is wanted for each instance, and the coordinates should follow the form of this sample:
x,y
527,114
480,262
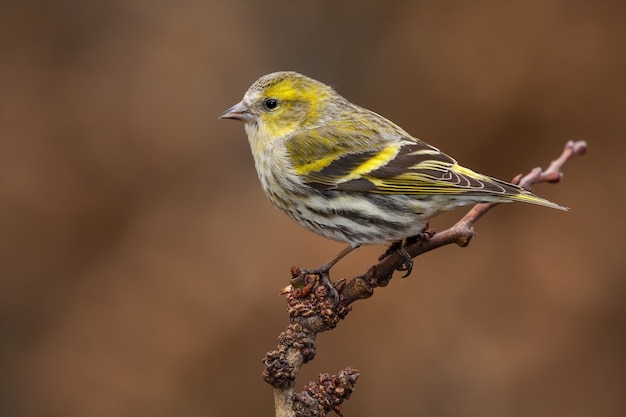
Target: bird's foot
x,y
400,247
324,271
408,262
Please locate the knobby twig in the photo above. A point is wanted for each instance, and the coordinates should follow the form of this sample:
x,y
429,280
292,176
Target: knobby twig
x,y
314,308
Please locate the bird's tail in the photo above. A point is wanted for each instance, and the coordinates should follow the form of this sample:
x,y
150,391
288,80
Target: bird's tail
x,y
516,193
528,197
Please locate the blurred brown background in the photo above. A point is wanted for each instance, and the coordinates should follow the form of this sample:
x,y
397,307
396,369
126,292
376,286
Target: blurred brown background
x,y
140,262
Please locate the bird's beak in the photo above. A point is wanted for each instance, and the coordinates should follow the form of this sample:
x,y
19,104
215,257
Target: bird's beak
x,y
239,111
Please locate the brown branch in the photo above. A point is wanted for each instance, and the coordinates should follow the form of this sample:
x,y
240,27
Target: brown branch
x,y
326,394
314,308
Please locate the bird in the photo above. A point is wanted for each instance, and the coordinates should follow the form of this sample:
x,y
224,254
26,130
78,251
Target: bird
x,y
348,173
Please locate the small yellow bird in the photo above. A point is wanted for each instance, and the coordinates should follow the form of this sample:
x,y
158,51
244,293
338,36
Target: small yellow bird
x,y
349,174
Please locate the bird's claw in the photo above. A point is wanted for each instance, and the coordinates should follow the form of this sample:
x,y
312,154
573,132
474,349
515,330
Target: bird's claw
x,y
408,262
399,246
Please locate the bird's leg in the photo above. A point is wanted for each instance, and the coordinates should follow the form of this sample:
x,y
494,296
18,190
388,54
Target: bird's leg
x,y
326,267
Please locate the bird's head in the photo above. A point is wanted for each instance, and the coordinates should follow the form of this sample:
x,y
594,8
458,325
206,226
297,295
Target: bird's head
x,y
279,103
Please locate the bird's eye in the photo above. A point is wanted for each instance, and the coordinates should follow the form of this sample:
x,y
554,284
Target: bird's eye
x,y
271,103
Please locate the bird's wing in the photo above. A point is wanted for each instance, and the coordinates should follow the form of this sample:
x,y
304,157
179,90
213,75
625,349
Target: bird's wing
x,y
404,166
